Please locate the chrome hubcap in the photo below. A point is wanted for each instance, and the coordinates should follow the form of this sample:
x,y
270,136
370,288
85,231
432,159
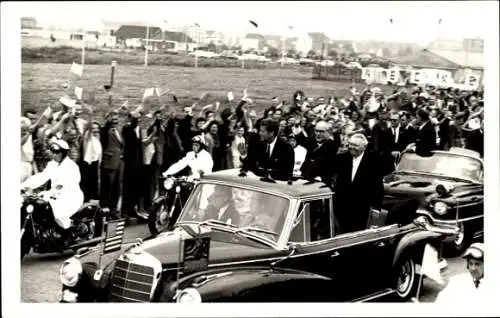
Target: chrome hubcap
x,y
404,277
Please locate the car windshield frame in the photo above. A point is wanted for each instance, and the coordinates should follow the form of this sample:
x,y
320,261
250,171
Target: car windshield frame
x,y
445,172
275,242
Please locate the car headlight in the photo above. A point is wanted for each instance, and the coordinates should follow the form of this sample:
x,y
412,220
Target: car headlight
x,y
70,272
29,208
440,208
168,184
189,295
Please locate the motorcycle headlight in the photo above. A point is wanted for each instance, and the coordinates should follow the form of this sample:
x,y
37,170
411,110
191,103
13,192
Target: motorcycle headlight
x,y
440,208
168,184
29,208
70,272
189,295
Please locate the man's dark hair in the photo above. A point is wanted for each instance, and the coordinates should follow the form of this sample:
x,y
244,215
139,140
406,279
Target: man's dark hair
x,y
423,114
208,112
200,119
270,125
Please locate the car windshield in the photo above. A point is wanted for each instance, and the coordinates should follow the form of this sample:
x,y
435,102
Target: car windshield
x,y
244,210
445,164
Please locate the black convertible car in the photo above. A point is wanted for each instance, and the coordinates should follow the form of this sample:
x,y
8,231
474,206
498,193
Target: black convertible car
x,y
258,241
449,186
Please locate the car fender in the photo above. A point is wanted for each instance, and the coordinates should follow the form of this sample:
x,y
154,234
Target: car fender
x,y
411,241
259,284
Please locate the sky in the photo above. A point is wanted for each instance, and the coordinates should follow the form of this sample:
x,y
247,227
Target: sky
x,y
412,21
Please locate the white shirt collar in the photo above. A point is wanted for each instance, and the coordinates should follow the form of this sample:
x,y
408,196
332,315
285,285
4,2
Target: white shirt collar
x,y
271,145
422,126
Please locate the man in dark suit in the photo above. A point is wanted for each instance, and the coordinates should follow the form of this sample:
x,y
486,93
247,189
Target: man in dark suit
x,y
426,135
358,185
374,132
111,164
318,159
394,142
270,155
409,134
133,162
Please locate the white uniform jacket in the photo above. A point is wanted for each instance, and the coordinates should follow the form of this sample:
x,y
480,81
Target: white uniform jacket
x,y
202,161
461,290
65,196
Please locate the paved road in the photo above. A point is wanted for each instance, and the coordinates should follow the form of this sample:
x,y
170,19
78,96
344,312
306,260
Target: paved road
x,y
40,281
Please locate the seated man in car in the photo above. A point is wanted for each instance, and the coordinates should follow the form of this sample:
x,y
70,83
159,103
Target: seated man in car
x,y
221,206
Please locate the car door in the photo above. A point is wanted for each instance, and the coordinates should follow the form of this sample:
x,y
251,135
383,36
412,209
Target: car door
x,y
320,253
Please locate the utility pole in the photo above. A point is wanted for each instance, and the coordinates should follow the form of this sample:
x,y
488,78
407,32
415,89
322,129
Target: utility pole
x,y
83,48
146,46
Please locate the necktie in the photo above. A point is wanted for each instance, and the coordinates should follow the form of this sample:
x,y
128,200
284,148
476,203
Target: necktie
x,y
395,137
268,150
476,282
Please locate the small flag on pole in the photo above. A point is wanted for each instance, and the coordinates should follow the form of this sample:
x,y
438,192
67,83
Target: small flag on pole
x,y
115,231
148,92
77,69
230,96
78,92
430,265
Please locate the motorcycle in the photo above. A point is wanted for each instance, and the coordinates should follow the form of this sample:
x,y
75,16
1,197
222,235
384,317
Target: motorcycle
x,y
168,205
40,232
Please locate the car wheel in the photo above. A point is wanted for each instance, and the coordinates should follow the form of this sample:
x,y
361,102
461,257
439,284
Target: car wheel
x,y
460,243
406,278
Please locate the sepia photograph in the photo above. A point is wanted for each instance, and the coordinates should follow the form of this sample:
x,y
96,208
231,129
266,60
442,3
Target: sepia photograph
x,y
251,153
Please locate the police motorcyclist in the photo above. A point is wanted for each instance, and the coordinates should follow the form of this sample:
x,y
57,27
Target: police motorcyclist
x,y
64,196
199,160
468,287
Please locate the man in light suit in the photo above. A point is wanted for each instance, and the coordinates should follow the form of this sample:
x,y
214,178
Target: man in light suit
x,y
358,185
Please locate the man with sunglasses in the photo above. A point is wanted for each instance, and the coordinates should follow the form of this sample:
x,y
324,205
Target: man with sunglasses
x,y
318,159
65,196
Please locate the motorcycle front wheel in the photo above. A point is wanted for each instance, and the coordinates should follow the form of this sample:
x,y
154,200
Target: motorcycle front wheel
x,y
26,242
158,218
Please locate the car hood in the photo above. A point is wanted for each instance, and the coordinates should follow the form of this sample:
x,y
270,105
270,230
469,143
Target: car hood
x,y
416,186
224,248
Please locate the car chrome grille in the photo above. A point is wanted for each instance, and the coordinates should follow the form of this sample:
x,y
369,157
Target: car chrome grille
x,y
131,282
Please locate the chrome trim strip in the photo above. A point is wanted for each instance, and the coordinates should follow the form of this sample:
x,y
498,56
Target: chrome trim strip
x,y
436,221
134,281
311,253
375,296
132,290
248,187
135,300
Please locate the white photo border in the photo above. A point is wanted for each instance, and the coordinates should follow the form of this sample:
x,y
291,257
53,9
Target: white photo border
x,y
10,167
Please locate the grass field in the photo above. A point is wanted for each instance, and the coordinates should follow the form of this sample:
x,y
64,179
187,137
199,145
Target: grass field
x,y
42,84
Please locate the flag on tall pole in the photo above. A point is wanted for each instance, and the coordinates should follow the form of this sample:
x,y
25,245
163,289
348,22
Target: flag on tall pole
x,y
146,46
76,69
83,48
